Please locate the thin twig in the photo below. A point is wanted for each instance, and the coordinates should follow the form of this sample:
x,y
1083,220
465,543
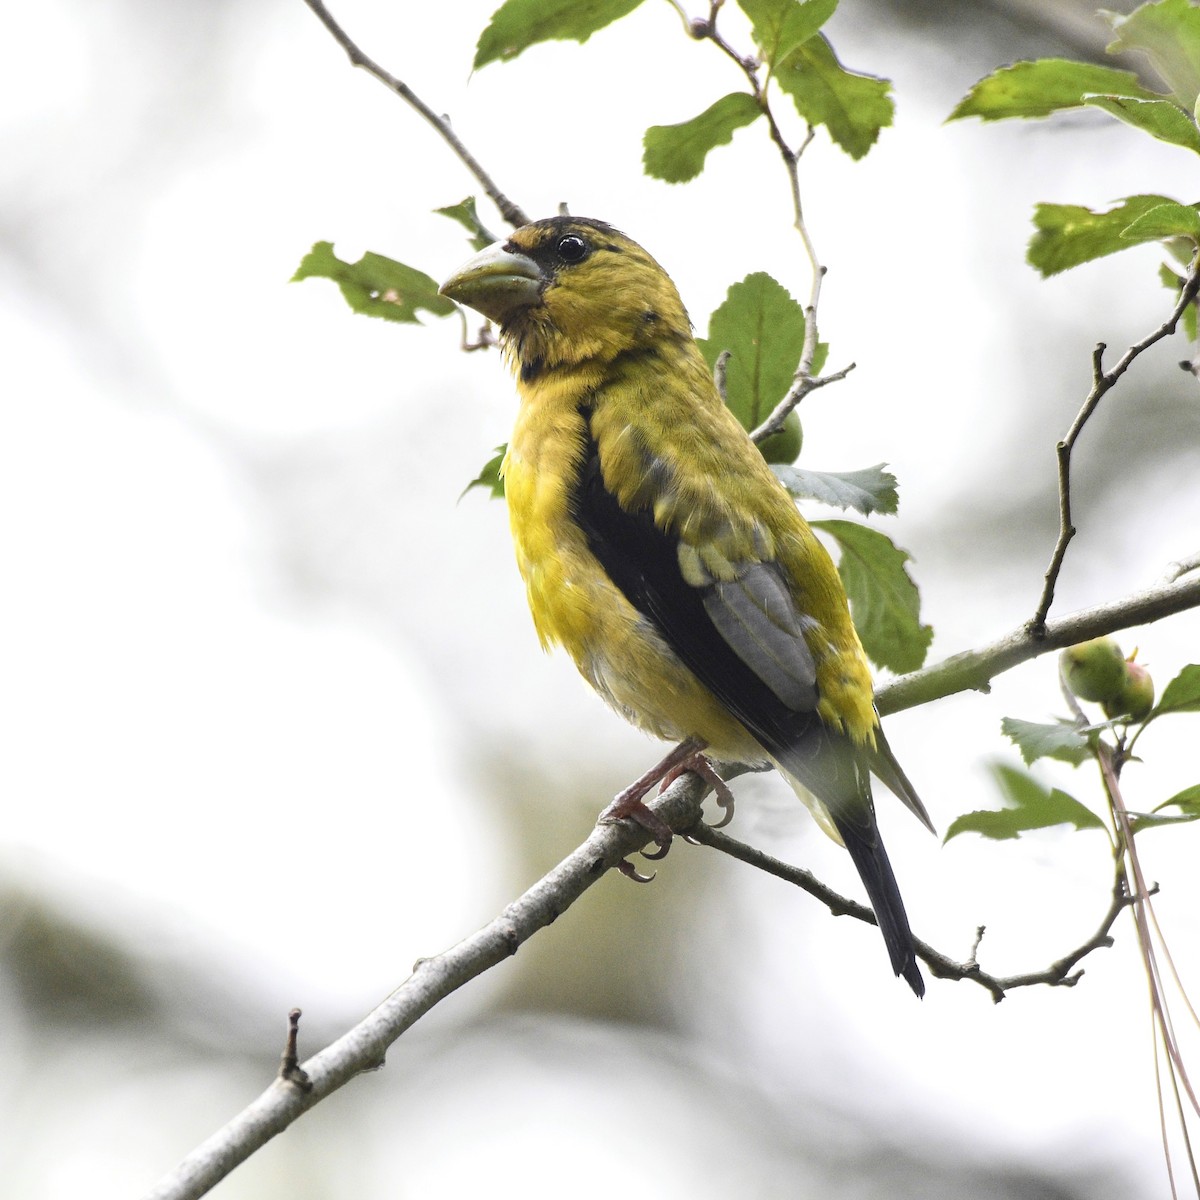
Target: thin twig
x,y
510,211
1102,382
804,381
1060,973
1109,761
800,389
1177,570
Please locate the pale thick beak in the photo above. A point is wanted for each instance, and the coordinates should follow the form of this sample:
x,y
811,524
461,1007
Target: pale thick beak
x,y
497,283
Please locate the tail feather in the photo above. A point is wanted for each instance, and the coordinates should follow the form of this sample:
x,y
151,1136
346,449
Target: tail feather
x,y
884,765
837,774
871,860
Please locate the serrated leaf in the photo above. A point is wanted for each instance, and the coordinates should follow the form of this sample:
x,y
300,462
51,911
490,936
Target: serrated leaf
x,y
1048,85
1160,118
676,153
1164,221
518,24
1031,806
869,490
762,327
464,213
884,601
1182,694
853,107
1062,740
782,25
376,286
1069,234
1168,33
489,477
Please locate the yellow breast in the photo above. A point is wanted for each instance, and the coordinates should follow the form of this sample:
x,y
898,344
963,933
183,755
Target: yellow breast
x,y
575,604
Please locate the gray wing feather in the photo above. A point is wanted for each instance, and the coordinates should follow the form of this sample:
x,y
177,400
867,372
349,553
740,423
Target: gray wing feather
x,y
757,618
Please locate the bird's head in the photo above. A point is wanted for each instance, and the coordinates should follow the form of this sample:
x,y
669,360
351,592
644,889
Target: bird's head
x,y
570,290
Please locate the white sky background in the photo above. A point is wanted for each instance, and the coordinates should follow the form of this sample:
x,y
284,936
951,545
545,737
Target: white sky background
x,y
261,669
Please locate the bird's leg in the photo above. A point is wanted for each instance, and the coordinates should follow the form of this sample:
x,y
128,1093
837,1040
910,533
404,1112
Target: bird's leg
x,y
630,803
701,764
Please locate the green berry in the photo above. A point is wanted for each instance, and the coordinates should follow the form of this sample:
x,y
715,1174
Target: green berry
x,y
1094,670
784,447
1136,699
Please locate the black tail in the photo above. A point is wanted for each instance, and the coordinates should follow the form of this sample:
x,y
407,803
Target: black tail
x,y
871,860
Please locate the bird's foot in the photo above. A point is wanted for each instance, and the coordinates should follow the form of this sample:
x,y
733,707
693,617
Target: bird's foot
x,y
701,764
630,804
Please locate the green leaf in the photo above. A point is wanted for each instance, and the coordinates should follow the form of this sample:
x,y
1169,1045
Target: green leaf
x,y
1031,806
1159,118
518,24
884,601
1182,694
1164,221
1062,740
854,108
780,26
869,490
1188,803
762,327
1069,234
1168,33
1049,85
676,153
376,286
489,478
464,213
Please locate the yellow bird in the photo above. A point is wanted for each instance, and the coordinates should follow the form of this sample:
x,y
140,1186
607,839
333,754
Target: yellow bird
x,y
659,549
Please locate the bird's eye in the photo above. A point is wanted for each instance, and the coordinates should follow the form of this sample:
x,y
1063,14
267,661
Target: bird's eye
x,y
572,248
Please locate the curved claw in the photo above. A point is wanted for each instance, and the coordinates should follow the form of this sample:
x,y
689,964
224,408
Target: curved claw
x,y
724,797
631,872
662,844
726,803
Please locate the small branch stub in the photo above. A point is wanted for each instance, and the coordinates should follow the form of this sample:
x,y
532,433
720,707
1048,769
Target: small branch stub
x,y
290,1070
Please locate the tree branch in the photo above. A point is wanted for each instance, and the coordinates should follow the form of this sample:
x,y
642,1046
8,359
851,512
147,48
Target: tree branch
x,y
433,979
364,1047
510,211
1102,382
1058,974
974,669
